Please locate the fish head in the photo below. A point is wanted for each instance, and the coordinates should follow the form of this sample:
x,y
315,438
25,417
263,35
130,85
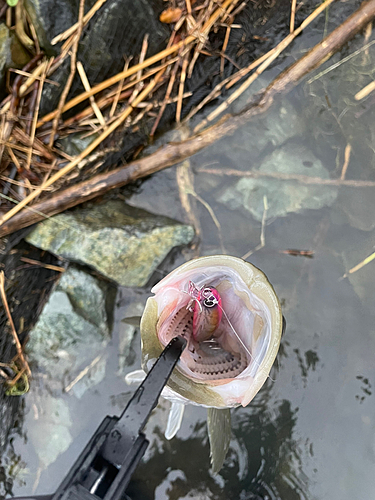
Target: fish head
x,y
232,321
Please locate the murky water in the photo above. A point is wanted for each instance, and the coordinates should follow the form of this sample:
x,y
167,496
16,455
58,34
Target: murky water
x,y
310,432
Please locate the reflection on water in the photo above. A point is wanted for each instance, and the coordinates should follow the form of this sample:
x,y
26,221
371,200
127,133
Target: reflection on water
x,y
309,434
265,469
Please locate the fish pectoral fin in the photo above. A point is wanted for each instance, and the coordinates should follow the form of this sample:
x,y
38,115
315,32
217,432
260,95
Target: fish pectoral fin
x,y
219,434
135,377
132,320
174,420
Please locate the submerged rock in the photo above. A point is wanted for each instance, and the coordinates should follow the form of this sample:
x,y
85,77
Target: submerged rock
x,y
363,280
283,196
249,142
358,204
71,329
50,432
123,243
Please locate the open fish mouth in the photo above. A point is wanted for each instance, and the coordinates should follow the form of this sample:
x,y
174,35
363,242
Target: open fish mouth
x,y
231,318
208,359
238,344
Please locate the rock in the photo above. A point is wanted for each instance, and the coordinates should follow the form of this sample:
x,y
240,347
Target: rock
x,y
281,123
363,280
74,144
50,18
115,32
50,432
167,202
123,243
358,204
283,196
72,328
12,53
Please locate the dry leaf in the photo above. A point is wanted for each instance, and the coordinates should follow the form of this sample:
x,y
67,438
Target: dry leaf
x,y
170,15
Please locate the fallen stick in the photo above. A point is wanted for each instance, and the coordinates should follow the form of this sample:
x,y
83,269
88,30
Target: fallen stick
x,y
302,179
176,152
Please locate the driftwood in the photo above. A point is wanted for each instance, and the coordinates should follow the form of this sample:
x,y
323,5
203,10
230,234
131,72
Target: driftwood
x,y
176,152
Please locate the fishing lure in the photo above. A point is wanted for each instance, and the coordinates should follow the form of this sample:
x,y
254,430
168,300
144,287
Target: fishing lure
x,y
205,304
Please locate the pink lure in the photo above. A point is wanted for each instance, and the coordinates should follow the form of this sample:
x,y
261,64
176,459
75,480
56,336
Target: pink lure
x,y
207,311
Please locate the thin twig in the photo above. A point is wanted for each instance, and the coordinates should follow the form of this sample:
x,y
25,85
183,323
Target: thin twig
x,y
118,93
86,84
359,266
73,60
292,15
166,98
262,243
59,269
72,29
347,152
181,87
142,57
365,91
35,119
13,329
224,48
339,63
303,179
82,373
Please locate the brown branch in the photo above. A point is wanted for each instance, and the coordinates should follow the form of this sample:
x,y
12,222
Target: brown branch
x,y
176,152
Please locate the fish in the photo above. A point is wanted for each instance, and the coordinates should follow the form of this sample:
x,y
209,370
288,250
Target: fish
x,y
230,315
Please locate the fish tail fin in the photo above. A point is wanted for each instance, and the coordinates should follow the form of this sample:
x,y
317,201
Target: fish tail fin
x,y
174,420
219,434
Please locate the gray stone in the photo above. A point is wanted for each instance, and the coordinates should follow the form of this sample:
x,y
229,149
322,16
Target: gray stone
x,y
283,196
71,329
50,432
93,376
363,280
279,124
358,204
74,144
12,53
50,18
123,243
